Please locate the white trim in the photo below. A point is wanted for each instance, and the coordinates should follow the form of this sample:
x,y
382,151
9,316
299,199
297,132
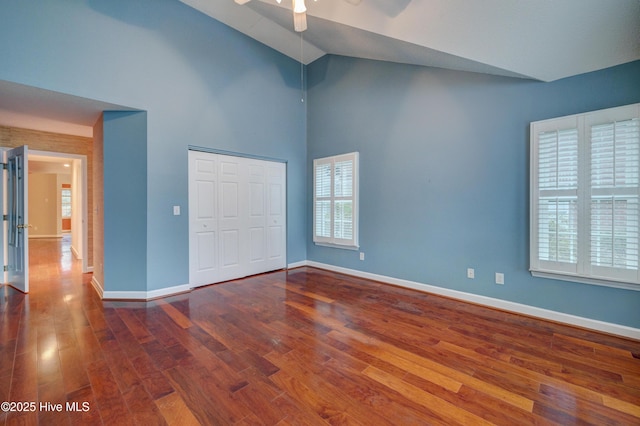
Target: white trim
x,y
585,280
97,286
332,199
83,189
147,295
519,308
75,253
297,264
169,291
338,246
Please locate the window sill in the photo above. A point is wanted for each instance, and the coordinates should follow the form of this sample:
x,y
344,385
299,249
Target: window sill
x,y
339,246
585,280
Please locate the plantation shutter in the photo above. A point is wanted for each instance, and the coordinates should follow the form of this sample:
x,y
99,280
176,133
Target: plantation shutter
x,y
614,174
335,200
322,211
585,197
558,198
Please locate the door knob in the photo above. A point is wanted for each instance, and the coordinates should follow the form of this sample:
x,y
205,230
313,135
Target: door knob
x,y
24,226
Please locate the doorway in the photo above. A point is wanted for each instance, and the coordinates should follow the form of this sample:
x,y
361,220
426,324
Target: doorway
x,y
47,174
57,200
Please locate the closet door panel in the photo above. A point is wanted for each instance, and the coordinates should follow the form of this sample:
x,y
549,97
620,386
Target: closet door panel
x,y
237,217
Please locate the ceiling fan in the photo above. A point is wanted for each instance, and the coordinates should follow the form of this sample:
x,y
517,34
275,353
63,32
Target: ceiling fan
x,y
299,13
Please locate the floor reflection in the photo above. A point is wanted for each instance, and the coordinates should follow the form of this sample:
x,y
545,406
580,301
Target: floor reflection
x,y
51,256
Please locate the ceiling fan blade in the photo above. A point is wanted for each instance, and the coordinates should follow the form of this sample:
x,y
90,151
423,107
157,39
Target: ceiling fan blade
x,y
241,2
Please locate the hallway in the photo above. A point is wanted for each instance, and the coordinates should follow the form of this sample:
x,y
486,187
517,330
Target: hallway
x,y
49,258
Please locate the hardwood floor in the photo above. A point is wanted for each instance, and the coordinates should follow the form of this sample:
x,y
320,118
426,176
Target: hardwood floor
x,y
303,347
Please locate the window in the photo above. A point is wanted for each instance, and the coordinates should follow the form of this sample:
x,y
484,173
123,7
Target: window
x,y
585,192
65,202
335,201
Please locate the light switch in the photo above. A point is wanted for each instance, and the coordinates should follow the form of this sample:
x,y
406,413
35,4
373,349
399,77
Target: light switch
x,y
176,210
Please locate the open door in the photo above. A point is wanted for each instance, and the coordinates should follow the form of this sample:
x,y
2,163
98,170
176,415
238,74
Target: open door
x,y
17,218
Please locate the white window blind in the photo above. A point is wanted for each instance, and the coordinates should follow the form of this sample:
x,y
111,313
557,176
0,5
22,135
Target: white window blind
x,y
335,200
558,183
615,151
65,202
585,194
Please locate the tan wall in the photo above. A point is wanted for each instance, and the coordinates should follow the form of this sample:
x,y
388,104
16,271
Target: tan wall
x,y
11,137
43,193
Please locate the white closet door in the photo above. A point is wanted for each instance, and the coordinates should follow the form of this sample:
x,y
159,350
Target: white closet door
x,y
267,216
232,204
248,207
257,176
277,216
203,219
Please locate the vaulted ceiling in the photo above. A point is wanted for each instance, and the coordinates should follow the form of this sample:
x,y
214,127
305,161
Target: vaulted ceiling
x,y
537,39
543,40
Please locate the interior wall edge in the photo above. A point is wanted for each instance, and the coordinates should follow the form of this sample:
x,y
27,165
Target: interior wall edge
x,y
97,286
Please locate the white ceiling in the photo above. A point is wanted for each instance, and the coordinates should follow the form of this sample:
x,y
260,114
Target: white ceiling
x,y
543,40
51,165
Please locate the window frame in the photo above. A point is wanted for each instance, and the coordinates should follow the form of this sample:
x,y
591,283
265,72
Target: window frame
x,y
583,270
62,203
332,240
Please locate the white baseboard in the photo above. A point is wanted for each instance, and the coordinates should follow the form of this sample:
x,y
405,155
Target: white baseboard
x,y
97,286
297,264
75,253
519,308
146,295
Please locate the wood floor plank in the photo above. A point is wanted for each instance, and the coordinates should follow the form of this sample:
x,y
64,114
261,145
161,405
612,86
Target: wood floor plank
x,y
177,316
204,396
309,398
496,391
175,411
632,409
109,399
296,366
304,346
85,409
142,407
449,411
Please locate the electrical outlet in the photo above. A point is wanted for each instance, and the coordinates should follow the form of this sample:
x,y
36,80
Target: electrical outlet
x,y
361,255
499,278
176,210
471,273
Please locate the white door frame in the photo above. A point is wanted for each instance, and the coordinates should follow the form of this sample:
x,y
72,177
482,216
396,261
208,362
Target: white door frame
x,y
76,193
80,163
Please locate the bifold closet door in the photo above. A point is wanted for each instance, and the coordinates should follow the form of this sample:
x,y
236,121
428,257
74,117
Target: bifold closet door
x,y
237,217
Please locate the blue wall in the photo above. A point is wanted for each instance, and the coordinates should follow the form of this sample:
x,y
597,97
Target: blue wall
x,y
125,200
444,155
200,82
444,174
